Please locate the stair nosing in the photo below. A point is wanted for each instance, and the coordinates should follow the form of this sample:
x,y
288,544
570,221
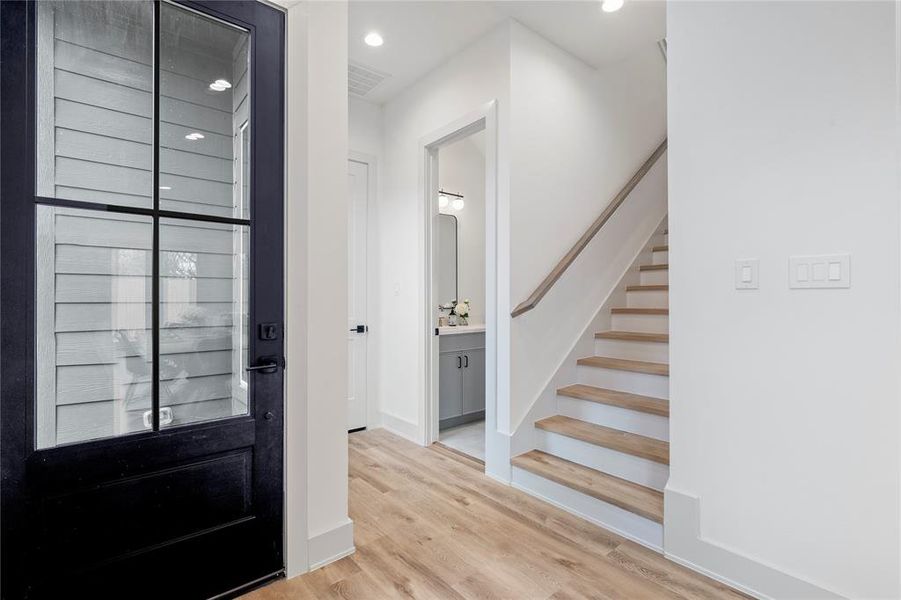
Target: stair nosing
x,y
524,461
648,288
663,267
625,400
639,311
663,248
633,336
623,364
614,435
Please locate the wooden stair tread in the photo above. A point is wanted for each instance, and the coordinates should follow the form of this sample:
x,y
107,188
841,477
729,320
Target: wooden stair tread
x,y
615,439
639,311
653,267
645,404
647,288
633,336
664,248
643,501
622,364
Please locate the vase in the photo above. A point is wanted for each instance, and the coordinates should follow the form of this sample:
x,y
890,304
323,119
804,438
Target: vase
x,y
462,320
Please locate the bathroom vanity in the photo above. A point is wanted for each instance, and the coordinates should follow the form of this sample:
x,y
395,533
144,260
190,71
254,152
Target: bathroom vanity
x,y
461,377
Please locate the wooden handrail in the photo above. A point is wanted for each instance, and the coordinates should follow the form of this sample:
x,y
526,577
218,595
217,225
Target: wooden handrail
x,y
570,257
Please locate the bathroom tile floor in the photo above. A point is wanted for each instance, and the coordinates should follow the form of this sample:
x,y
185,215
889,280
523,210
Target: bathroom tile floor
x,y
468,439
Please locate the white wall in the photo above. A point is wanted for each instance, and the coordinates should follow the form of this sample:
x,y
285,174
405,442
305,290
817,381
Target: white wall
x,y
470,79
577,136
317,525
364,127
461,170
785,403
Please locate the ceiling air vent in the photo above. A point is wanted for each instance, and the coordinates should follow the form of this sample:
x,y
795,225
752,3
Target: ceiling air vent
x,y
362,80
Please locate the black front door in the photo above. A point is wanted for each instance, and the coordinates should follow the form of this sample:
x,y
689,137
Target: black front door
x,y
141,298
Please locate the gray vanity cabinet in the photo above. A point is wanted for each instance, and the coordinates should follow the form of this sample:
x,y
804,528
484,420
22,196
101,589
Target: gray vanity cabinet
x,y
461,379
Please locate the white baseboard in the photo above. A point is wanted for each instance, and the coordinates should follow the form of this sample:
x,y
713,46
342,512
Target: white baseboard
x,y
405,429
331,545
684,544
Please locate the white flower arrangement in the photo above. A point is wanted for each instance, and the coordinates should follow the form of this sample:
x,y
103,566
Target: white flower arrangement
x,y
461,309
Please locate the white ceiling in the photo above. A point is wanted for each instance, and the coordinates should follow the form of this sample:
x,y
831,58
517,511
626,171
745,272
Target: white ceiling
x,y
420,35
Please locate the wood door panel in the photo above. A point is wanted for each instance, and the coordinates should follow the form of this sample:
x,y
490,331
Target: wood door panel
x,y
107,521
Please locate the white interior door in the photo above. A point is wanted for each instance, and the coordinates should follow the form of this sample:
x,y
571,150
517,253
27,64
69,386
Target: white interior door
x,y
358,184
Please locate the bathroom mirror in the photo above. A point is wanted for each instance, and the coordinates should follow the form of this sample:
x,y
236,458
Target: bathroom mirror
x,y
447,258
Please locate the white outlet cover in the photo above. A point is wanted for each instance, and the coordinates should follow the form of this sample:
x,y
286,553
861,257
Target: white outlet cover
x,y
746,274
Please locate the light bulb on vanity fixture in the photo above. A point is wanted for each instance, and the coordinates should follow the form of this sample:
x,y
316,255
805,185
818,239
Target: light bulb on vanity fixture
x,y
442,201
458,204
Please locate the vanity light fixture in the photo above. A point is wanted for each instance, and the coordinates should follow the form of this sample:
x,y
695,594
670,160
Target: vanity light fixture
x,y
611,5
374,39
194,136
455,200
220,85
165,187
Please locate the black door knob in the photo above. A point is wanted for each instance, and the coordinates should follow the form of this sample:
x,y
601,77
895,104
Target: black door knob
x,y
268,416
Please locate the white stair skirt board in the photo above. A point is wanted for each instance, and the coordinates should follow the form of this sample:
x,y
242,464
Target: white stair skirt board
x,y
644,384
620,521
639,470
660,277
642,323
660,257
646,351
648,299
666,239
686,545
615,417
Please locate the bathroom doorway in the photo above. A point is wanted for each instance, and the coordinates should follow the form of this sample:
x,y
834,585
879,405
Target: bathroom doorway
x,y
461,294
459,197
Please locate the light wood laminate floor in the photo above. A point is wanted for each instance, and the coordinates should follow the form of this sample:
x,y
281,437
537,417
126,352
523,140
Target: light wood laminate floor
x,y
429,524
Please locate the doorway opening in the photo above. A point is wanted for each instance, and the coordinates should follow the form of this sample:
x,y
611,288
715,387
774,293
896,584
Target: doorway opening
x,y
459,202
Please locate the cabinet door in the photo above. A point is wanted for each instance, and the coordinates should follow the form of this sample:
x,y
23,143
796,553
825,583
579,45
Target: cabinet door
x,y
474,381
450,385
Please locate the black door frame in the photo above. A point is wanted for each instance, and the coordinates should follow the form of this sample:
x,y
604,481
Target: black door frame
x,y
28,475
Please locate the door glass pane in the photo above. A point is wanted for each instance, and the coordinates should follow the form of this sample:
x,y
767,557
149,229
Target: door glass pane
x,y
94,102
203,321
93,345
204,105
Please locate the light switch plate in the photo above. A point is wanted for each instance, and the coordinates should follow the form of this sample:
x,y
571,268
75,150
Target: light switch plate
x,y
746,274
819,271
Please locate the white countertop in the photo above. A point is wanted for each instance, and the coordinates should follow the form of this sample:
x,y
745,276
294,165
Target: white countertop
x,y
461,329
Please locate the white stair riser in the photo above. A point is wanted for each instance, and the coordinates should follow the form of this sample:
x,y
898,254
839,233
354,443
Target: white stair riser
x,y
623,419
656,386
619,464
659,277
647,299
642,323
639,529
661,257
648,351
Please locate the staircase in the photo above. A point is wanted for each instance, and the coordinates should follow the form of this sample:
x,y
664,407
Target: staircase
x,y
605,455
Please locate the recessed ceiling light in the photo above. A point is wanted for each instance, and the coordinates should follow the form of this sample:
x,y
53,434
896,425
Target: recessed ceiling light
x,y
220,85
194,136
373,39
611,5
